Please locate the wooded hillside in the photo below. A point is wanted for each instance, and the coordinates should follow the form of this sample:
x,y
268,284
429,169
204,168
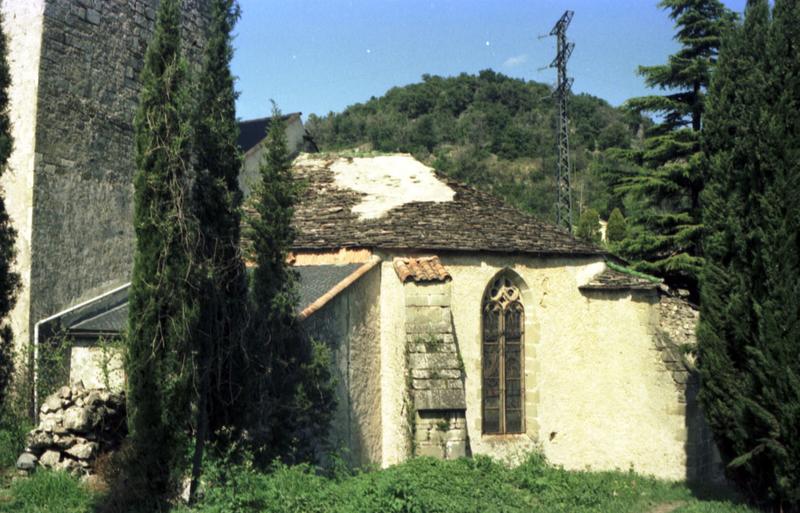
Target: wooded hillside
x,y
488,130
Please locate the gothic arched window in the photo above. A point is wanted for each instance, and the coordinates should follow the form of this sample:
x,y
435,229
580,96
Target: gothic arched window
x,y
503,322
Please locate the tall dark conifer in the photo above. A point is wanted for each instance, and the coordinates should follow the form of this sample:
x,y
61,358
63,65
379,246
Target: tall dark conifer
x,y
293,388
217,199
9,280
750,285
665,183
163,307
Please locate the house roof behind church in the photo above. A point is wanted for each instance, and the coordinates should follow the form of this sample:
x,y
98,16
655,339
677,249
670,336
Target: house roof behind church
x,y
396,202
253,131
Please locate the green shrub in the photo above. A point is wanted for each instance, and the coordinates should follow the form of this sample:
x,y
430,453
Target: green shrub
x,y
13,429
428,485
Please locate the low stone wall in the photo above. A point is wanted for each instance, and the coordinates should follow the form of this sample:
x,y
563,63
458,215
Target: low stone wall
x,y
76,425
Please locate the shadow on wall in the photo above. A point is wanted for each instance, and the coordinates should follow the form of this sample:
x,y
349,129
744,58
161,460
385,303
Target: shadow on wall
x,y
349,325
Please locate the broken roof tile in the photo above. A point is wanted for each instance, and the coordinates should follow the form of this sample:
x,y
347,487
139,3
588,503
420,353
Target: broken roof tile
x,y
420,269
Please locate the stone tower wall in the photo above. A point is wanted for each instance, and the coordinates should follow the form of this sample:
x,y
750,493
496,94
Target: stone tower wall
x,y
79,176
22,24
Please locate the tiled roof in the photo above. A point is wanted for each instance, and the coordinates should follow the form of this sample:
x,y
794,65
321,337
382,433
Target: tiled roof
x,y
316,280
420,269
472,220
611,279
108,313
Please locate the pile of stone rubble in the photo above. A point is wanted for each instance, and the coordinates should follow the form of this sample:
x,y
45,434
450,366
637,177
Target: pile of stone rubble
x,y
75,426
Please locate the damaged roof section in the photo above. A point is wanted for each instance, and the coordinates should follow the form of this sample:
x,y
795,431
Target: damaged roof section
x,y
424,269
341,207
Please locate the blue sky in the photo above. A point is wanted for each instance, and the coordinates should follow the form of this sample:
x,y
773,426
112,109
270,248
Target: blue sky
x,y
317,56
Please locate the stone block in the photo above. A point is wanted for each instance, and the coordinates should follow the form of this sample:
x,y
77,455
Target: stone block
x,y
432,450
416,300
427,314
77,419
456,435
50,459
429,328
439,300
447,399
437,346
455,450
51,404
441,361
26,462
83,451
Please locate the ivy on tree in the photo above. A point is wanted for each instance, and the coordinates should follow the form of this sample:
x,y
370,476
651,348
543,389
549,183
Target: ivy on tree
x,y
163,305
217,199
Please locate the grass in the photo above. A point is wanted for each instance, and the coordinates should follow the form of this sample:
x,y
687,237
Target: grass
x,y
422,485
46,492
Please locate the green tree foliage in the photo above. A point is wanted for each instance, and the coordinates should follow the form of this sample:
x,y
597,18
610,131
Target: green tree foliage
x,y
217,200
662,177
9,280
750,308
163,307
293,389
617,227
488,130
589,226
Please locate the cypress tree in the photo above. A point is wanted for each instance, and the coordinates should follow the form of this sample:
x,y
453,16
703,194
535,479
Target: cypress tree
x,y
666,181
617,227
217,198
9,280
163,310
589,226
750,284
293,391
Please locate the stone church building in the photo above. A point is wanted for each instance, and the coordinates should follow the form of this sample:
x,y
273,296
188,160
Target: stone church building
x,y
459,325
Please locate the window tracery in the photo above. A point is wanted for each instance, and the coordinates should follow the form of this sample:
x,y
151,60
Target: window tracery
x,y
503,359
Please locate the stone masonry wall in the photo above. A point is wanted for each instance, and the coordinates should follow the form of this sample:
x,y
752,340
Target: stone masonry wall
x,y
82,232
676,341
436,375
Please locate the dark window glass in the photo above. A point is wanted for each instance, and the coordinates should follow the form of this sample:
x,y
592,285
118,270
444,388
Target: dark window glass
x,y
503,322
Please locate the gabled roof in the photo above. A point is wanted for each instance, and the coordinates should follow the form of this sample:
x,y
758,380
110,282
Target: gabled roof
x,y
395,202
253,131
